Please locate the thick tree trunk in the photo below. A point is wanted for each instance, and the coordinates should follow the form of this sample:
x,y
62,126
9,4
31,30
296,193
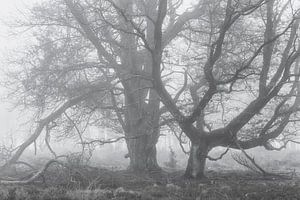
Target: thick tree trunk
x,y
197,160
142,120
141,102
142,153
142,137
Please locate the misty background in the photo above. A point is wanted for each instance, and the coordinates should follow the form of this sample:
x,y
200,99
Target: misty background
x,y
14,127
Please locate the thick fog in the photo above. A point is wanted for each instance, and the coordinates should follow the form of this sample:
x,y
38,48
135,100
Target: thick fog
x,y
141,98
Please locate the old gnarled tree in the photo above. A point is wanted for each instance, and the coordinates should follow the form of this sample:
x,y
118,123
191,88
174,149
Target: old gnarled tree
x,y
91,51
255,63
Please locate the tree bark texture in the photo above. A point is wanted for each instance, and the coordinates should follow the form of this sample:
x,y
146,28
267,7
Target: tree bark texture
x,y
197,160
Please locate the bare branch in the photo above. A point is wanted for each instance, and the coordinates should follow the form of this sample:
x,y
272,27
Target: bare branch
x,y
43,122
220,157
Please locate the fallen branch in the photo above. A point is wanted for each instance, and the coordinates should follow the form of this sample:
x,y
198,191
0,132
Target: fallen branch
x,y
31,179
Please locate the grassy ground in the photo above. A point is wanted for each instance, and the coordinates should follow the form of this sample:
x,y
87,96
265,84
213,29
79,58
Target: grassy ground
x,y
226,180
122,185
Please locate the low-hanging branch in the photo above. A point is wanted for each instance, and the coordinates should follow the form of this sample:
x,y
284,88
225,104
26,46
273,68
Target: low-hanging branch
x,y
220,157
272,148
47,140
261,170
113,140
44,122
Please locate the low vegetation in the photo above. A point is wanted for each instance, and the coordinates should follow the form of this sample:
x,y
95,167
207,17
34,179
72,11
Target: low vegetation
x,y
74,181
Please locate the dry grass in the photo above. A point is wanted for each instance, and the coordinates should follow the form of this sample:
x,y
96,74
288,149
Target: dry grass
x,y
123,185
81,182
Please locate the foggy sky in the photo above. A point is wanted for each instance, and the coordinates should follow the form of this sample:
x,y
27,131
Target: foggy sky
x,y
9,9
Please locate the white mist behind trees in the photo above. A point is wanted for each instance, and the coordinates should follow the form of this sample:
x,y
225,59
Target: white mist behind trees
x,y
171,92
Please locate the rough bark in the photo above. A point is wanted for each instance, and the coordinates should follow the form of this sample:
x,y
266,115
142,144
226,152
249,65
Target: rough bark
x,y
142,122
142,154
142,103
197,160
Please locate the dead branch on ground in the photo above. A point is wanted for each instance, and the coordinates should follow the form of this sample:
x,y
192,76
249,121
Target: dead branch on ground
x,y
34,177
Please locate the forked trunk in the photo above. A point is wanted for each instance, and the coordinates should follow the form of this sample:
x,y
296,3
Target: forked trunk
x,y
197,159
